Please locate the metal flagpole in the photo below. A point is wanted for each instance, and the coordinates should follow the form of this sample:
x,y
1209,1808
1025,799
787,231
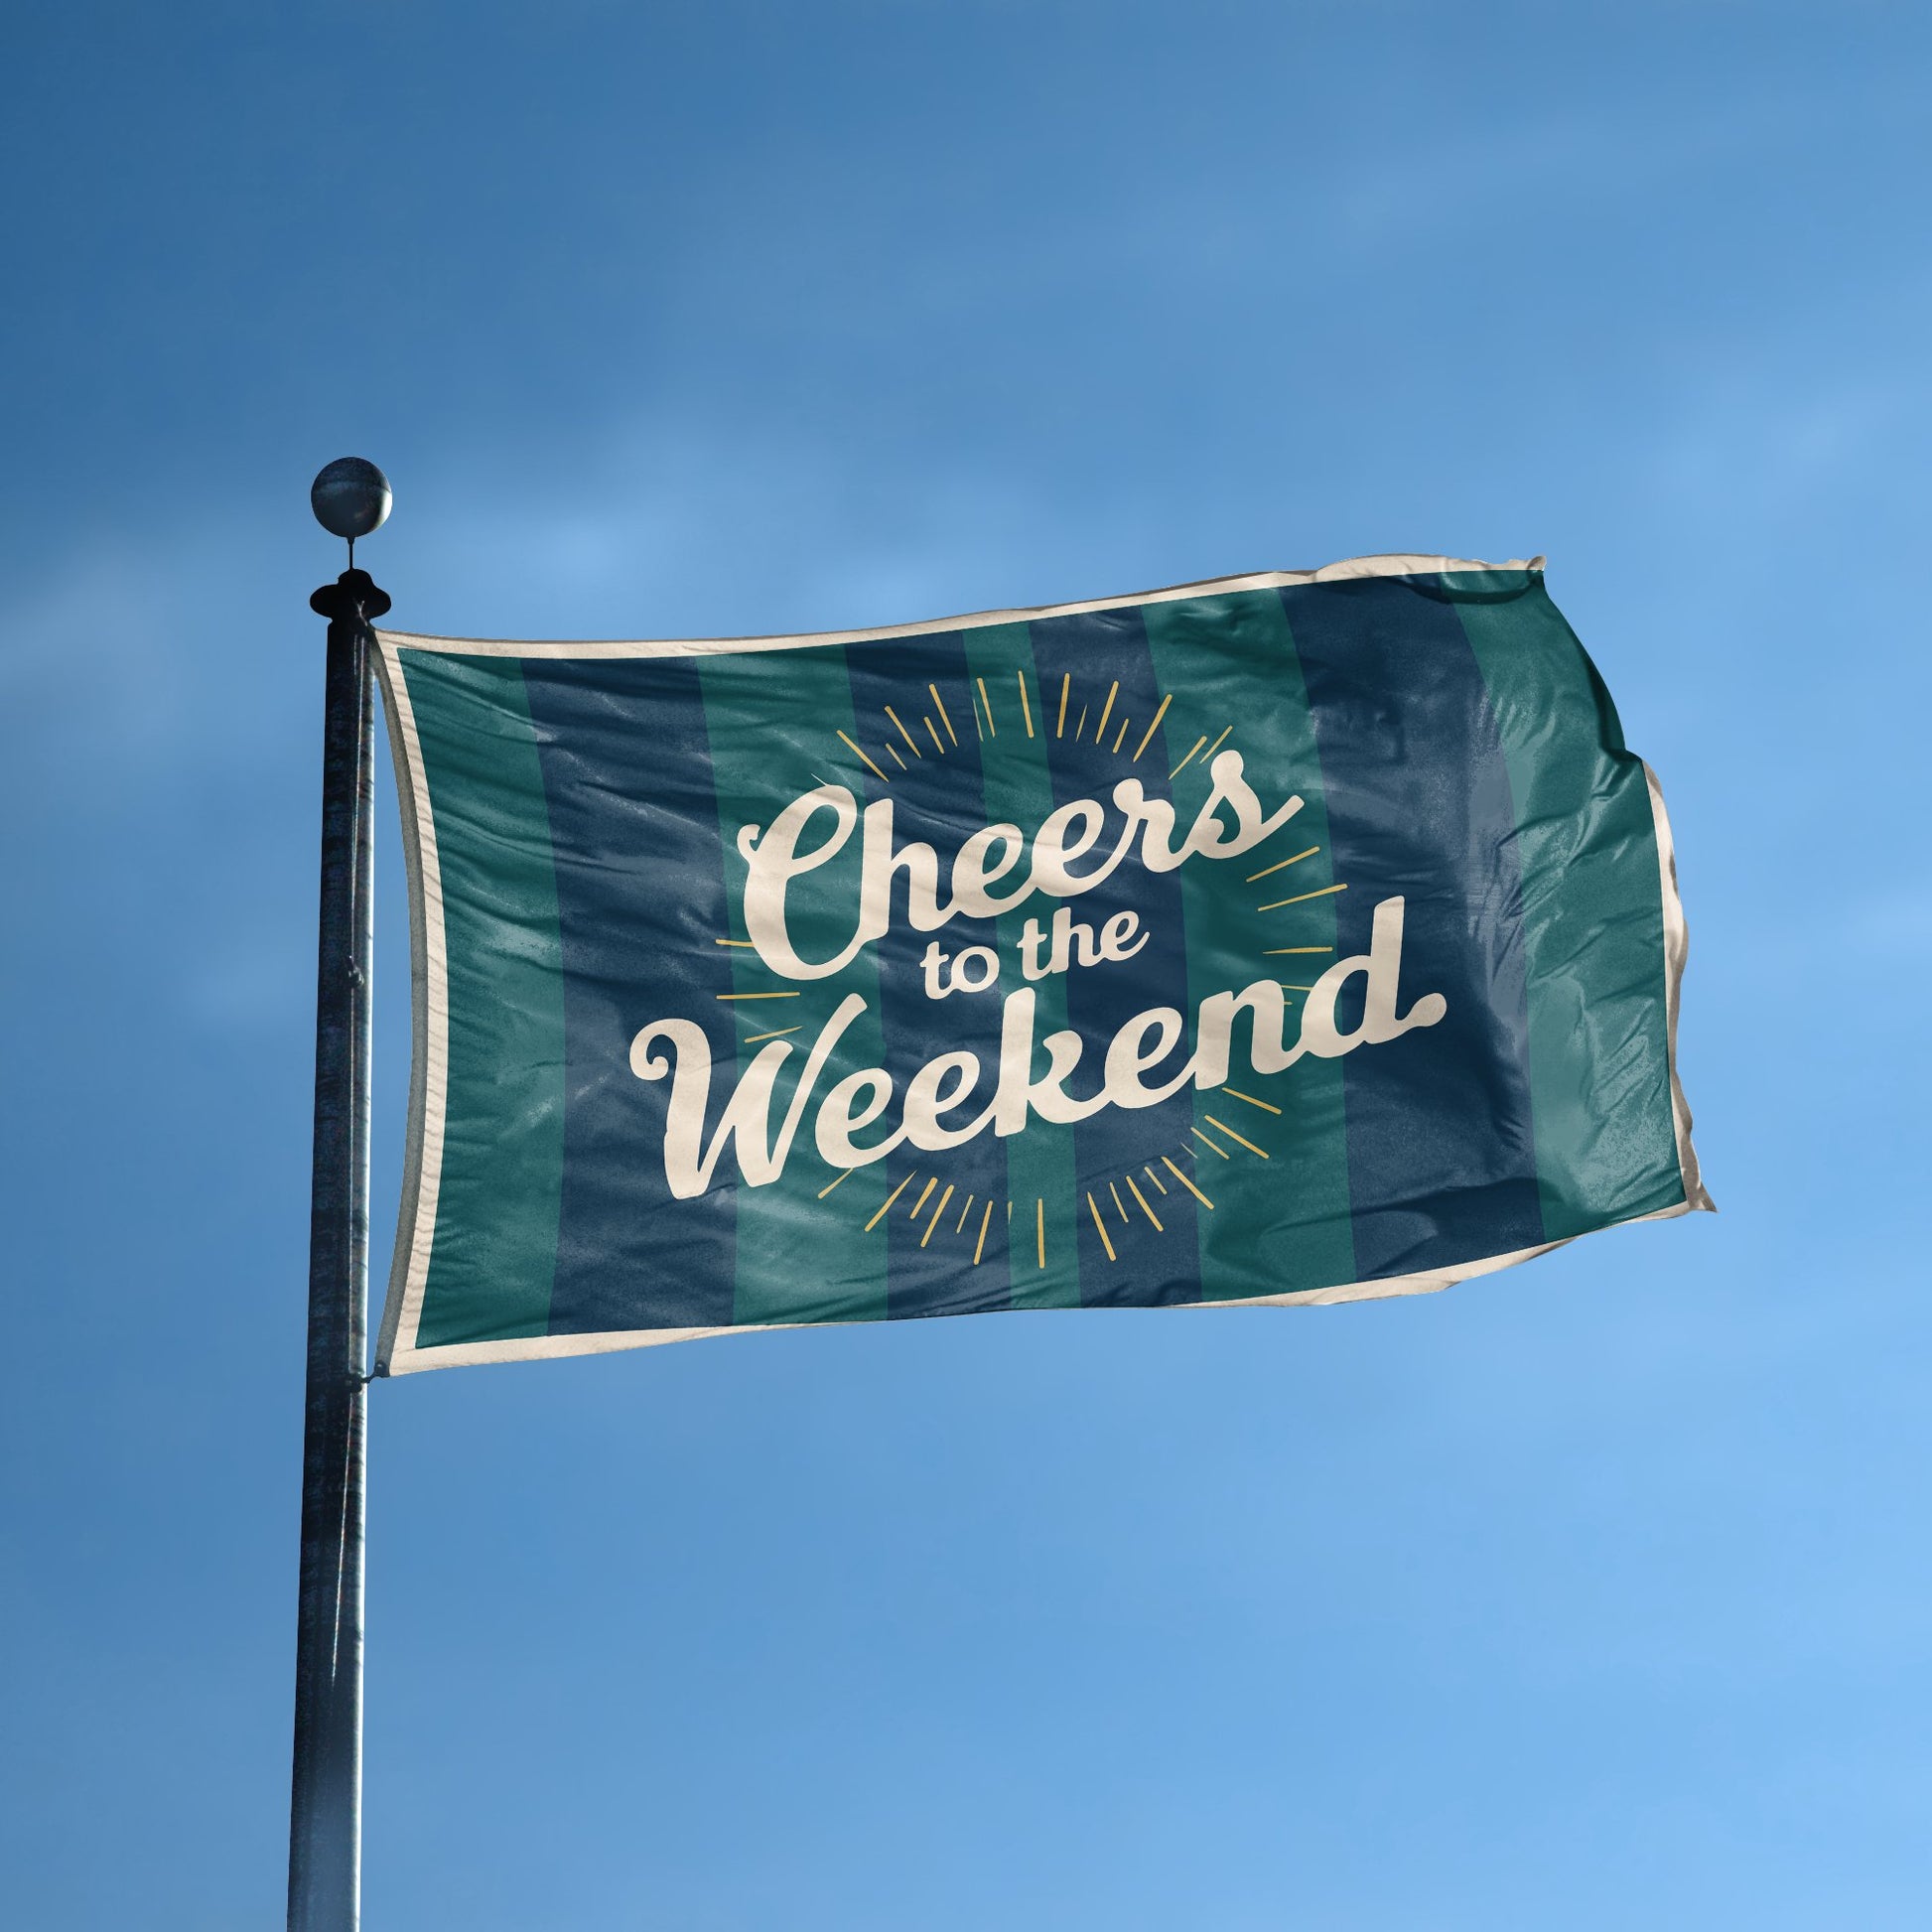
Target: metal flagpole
x,y
350,499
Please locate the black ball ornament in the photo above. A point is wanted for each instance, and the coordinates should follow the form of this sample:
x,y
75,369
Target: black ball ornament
x,y
351,498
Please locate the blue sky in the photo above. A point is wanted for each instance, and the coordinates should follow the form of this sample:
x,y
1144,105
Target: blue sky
x,y
1594,1594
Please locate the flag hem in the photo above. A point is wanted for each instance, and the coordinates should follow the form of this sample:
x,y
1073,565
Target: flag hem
x,y
1677,947
1393,564
429,1025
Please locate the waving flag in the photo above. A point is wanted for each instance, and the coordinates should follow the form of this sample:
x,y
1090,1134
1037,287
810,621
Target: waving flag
x,y
1296,937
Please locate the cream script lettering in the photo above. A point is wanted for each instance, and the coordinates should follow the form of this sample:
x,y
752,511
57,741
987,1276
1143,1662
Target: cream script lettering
x,y
1063,863
954,1098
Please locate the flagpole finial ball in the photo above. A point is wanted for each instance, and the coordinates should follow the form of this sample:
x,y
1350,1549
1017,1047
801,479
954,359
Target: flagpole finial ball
x,y
351,498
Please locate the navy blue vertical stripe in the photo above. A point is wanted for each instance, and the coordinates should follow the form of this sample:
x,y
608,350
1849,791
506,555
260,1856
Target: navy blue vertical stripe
x,y
937,798
641,901
1441,1161
1098,648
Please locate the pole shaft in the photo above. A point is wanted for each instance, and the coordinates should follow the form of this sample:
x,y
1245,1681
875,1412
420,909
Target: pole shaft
x,y
326,1815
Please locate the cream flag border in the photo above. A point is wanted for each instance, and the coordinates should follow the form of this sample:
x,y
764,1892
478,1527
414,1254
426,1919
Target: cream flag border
x,y
396,1352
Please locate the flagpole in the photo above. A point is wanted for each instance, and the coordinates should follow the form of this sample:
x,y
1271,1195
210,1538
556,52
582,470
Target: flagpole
x,y
350,499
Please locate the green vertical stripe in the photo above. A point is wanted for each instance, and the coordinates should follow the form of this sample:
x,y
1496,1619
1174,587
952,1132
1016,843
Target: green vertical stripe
x,y
1281,1224
1019,791
1592,912
501,1174
774,720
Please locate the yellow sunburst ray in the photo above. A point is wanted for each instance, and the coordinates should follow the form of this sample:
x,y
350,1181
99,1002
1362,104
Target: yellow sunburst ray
x,y
1238,1139
1144,1209
1299,898
1102,1227
1153,727
888,1201
1281,865
882,777
1267,1106
1185,1182
937,1213
904,733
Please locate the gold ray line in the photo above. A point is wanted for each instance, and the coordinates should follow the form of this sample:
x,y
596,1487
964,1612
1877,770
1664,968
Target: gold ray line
x,y
889,1200
1190,758
793,994
1115,1192
963,1212
993,730
1082,726
1066,685
897,760
1265,1106
1102,1226
732,942
866,761
1009,1214
946,717
920,1203
934,730
1283,864
1216,745
1106,710
937,1213
1321,892
1148,1169
751,1039
1026,709
1234,1137
847,1176
1039,1225
1275,952
980,1248
1144,1209
1121,734
1153,727
1207,1141
904,733
1185,1182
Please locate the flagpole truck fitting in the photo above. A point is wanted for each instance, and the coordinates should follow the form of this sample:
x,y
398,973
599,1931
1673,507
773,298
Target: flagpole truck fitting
x,y
350,499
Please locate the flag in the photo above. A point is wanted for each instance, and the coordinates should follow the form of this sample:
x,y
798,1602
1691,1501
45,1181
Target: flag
x,y
1298,937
